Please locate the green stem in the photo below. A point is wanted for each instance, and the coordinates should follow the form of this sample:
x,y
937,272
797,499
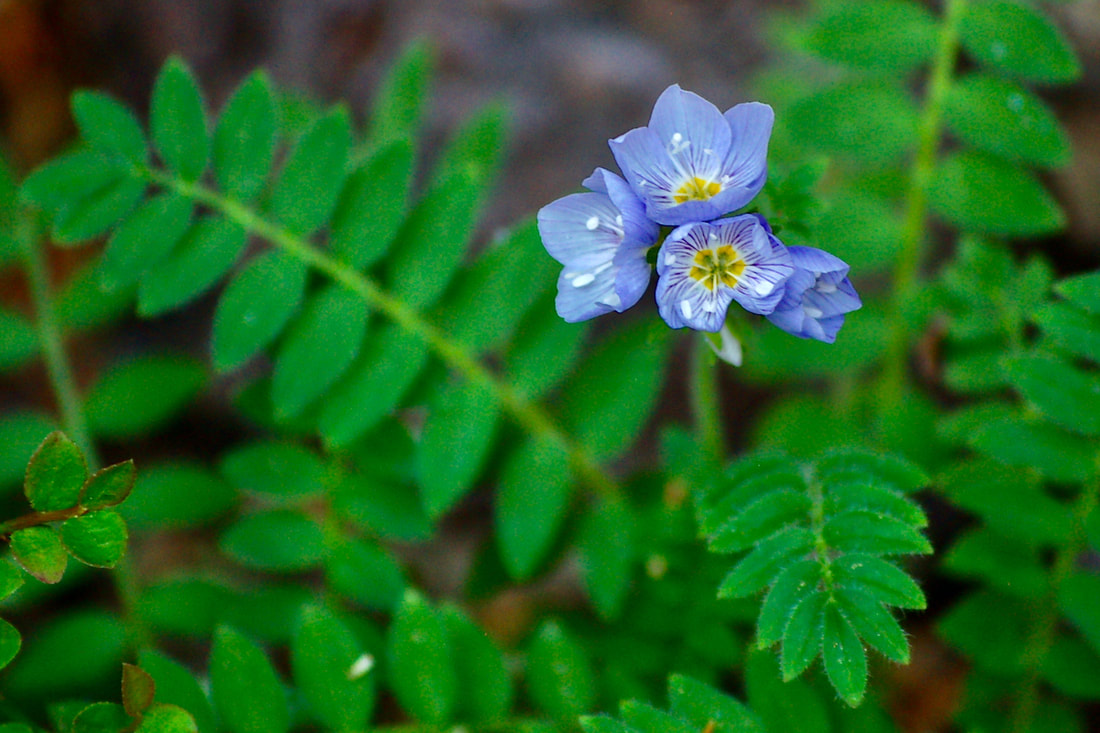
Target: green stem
x,y
910,259
532,417
704,400
817,527
1041,637
29,234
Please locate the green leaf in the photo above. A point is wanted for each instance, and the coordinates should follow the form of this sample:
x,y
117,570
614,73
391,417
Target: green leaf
x,y
11,578
978,192
485,686
18,340
1053,452
255,307
178,121
875,533
559,673
759,568
185,606
865,230
760,519
167,719
278,470
422,670
55,474
845,660
891,35
39,551
792,586
365,573
324,654
244,140
700,704
1001,561
9,196
882,132
176,685
20,436
802,635
1064,394
490,300
535,489
247,693
1082,290
990,629
106,124
140,396
399,101
71,178
1007,120
371,206
177,495
90,217
644,717
70,655
84,303
277,541
97,539
456,439
606,545
883,580
603,724
306,189
1019,41
10,641
319,347
1077,599
545,348
109,486
206,253
609,398
1071,329
102,717
391,359
144,240
138,689
873,623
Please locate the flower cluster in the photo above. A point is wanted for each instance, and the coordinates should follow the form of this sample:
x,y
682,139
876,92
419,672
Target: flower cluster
x,y
684,175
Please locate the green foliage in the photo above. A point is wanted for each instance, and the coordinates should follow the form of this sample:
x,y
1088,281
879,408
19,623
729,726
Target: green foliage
x,y
692,706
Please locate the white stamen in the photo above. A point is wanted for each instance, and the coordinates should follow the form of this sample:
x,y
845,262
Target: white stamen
x,y
363,664
619,219
677,138
581,280
824,287
812,312
709,306
764,287
713,236
592,223
670,259
613,301
603,267
685,308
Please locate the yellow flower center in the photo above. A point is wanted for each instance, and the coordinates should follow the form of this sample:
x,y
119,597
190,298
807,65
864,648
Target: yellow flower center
x,y
696,189
723,265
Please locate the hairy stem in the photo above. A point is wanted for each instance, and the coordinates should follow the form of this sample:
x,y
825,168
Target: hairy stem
x,y
529,414
910,259
1042,635
30,236
29,233
704,400
817,526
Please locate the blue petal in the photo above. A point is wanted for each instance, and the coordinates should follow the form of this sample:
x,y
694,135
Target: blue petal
x,y
592,298
692,130
632,275
767,263
577,230
747,164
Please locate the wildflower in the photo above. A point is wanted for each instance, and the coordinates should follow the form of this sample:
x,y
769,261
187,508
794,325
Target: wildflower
x,y
693,163
817,296
703,266
601,239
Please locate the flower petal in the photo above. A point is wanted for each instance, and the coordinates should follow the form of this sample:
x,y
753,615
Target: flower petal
x,y
576,230
693,132
747,163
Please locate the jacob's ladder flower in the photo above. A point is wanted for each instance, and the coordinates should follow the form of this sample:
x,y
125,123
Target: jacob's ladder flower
x,y
817,296
704,266
600,238
694,163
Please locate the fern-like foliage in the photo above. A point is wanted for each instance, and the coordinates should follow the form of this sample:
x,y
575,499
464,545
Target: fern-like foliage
x,y
820,537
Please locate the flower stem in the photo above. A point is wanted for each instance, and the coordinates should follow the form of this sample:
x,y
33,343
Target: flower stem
x,y
1041,638
29,235
529,414
910,259
704,400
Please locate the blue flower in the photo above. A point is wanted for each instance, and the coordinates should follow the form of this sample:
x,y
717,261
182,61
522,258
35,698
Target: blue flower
x,y
703,266
817,296
601,238
693,163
